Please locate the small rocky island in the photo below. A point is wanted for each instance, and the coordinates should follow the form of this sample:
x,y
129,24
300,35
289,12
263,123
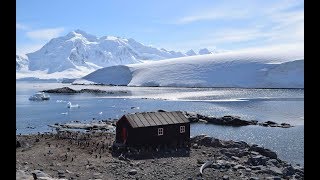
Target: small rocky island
x,y
231,121
67,90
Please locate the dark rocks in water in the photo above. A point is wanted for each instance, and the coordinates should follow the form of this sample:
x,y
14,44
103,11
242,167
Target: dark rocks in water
x,y
285,125
69,90
93,91
270,122
231,121
60,90
160,110
274,124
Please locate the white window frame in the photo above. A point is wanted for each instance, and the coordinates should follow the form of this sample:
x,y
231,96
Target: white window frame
x,y
182,129
160,131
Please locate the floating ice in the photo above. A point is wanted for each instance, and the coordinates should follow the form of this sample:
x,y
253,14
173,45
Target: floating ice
x,y
39,96
72,105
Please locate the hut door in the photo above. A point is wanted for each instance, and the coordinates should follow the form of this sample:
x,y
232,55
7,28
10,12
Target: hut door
x,y
124,134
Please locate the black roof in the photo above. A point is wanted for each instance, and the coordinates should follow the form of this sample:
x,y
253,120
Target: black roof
x,y
146,119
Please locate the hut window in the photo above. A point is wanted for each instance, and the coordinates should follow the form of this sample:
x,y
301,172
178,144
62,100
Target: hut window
x,y
160,131
182,129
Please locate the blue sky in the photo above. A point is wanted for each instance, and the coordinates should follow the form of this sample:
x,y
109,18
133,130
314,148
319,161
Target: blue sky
x,y
171,24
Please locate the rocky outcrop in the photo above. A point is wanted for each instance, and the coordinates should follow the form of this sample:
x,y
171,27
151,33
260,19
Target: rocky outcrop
x,y
245,158
69,90
231,121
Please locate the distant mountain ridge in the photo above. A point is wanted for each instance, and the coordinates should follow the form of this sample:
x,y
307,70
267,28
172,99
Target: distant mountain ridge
x,y
81,51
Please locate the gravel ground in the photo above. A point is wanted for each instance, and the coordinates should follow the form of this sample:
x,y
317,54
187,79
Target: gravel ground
x,y
80,155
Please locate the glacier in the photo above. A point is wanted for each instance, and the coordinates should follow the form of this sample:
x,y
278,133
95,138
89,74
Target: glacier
x,y
272,67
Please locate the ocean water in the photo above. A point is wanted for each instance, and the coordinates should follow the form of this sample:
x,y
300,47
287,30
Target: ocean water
x,y
279,105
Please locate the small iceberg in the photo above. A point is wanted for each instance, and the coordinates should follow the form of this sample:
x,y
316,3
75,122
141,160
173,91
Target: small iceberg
x,y
135,107
72,105
39,96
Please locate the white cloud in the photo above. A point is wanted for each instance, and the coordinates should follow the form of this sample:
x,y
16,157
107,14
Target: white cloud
x,y
252,24
212,14
20,26
45,34
236,35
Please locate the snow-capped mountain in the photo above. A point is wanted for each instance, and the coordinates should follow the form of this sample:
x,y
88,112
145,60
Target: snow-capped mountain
x,y
21,63
204,51
191,53
79,50
277,67
200,52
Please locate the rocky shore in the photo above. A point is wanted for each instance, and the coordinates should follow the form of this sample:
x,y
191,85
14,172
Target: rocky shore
x,y
89,155
69,90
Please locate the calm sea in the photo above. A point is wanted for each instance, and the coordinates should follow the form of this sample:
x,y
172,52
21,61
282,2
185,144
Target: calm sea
x,y
280,105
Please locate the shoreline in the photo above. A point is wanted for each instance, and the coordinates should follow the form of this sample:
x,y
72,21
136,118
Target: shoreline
x,y
81,155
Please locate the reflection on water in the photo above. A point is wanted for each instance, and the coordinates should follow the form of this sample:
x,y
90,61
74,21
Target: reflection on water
x,y
280,105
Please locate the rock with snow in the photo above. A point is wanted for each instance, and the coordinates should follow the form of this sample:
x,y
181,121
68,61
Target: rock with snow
x,y
21,63
260,68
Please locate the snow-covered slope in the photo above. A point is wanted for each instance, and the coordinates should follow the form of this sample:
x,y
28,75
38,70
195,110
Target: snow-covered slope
x,y
79,50
21,63
276,67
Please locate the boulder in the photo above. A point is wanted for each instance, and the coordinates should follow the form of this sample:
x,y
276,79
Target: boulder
x,y
239,166
275,171
288,171
18,144
132,172
273,162
216,143
264,151
225,177
257,160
